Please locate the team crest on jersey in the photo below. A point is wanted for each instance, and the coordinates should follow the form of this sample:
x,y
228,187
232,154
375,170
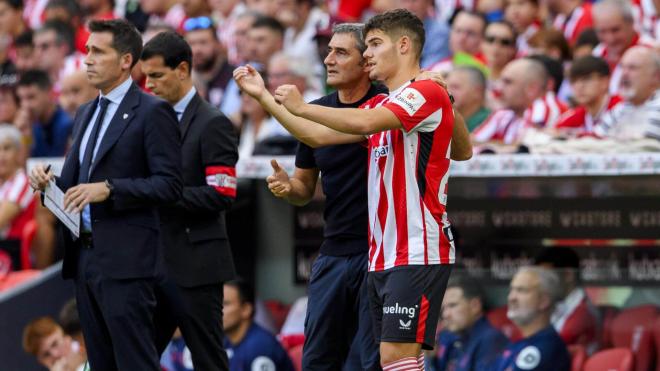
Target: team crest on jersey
x,y
263,363
411,100
528,358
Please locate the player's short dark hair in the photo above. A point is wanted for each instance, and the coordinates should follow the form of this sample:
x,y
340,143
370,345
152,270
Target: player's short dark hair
x,y
469,285
588,65
558,257
24,39
69,318
38,78
553,67
270,23
125,37
64,33
399,22
245,292
171,46
14,4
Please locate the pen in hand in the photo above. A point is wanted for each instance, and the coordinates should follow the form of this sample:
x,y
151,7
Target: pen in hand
x,y
47,170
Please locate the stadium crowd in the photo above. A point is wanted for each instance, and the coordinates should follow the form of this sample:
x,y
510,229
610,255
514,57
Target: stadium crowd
x,y
528,76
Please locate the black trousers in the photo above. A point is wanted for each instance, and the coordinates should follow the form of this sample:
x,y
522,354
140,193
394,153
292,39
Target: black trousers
x,y
197,311
116,318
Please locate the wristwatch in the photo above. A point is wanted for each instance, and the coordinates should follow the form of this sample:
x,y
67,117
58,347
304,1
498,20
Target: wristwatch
x,y
111,188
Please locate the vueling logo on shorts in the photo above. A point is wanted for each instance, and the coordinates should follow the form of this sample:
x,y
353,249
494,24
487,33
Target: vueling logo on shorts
x,y
397,309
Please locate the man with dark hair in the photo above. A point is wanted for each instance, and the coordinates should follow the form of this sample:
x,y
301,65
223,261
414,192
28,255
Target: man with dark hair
x,y
54,51
197,252
575,317
250,346
408,270
590,81
266,37
11,18
69,12
51,126
124,162
211,72
468,341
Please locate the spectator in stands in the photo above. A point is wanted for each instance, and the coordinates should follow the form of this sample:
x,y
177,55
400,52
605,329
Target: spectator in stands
x,y
465,39
70,322
8,102
571,17
585,43
44,339
546,110
266,8
639,116
532,297
523,81
226,13
266,37
75,90
301,19
16,199
590,79
524,16
249,346
468,341
468,86
11,18
68,11
97,9
24,59
167,12
53,51
575,318
51,126
196,8
499,47
614,23
211,72
238,49
550,42
436,30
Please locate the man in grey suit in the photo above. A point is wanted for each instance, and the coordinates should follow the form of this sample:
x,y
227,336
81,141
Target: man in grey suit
x,y
124,162
197,252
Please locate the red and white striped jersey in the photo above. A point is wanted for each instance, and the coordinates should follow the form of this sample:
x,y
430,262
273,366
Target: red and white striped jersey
x,y
522,42
647,21
503,125
574,23
615,78
576,320
582,122
408,178
546,111
17,190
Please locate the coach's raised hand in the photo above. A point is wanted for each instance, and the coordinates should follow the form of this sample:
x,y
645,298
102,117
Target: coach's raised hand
x,y
279,183
250,81
289,96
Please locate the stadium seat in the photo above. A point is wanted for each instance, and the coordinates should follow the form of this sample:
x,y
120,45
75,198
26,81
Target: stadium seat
x,y
615,359
578,356
499,320
295,354
633,329
29,231
607,315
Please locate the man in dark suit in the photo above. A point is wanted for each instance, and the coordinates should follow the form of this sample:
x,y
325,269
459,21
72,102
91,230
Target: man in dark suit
x,y
125,161
197,253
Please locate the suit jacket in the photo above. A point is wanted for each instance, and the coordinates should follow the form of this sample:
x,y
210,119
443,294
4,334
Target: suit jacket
x,y
140,154
197,250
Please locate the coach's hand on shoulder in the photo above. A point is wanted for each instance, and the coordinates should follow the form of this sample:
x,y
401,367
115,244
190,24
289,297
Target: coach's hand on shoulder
x,y
279,183
250,81
436,77
290,98
76,198
39,177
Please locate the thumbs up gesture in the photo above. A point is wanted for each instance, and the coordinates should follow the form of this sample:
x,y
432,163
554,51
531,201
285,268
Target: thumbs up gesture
x,y
278,182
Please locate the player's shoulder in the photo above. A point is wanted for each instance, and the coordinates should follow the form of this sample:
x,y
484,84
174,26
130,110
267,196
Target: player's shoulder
x,y
428,89
374,101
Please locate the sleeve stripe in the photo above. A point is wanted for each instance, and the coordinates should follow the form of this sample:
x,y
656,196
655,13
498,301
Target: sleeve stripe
x,y
223,179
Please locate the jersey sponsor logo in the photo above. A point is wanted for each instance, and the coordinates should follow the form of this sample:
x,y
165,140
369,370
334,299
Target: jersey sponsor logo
x,y
528,358
263,363
411,100
381,151
398,309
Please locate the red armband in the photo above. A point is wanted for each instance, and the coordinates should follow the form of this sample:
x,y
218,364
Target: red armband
x,y
223,179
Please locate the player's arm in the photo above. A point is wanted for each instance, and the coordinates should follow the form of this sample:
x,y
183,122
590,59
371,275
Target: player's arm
x,y
297,190
346,120
461,146
308,132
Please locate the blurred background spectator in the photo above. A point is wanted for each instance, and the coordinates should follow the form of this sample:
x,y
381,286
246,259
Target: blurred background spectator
x,y
46,341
